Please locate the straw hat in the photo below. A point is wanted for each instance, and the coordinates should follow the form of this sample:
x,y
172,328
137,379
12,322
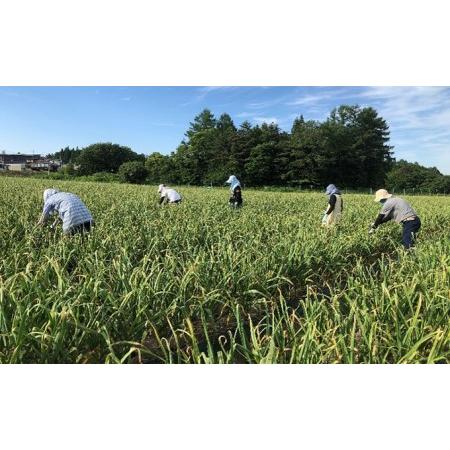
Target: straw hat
x,y
382,194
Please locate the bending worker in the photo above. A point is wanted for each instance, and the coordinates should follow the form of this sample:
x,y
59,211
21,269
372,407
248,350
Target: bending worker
x,y
72,211
168,195
236,191
399,210
335,206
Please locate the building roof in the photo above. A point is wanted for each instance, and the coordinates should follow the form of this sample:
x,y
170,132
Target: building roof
x,y
18,157
34,155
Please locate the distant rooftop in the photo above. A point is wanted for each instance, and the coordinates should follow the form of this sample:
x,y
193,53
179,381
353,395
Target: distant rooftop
x,y
19,154
12,158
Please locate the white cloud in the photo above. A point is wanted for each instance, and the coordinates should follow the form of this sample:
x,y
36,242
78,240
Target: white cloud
x,y
324,95
310,99
203,91
412,107
419,120
243,115
126,99
266,104
207,89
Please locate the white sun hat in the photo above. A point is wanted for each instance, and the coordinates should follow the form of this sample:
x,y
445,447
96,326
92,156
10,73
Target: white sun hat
x,y
48,193
382,194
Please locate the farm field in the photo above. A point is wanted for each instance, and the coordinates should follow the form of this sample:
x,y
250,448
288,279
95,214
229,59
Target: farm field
x,y
200,283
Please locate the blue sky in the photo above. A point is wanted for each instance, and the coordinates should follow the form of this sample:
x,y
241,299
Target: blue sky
x,y
147,119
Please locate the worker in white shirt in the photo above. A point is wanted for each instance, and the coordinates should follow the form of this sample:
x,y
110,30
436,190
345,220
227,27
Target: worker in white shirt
x,y
168,195
333,213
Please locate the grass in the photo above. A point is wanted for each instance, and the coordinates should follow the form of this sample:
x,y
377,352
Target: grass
x,y
200,283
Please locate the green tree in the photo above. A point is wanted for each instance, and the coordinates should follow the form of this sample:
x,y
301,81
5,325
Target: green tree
x,y
194,155
247,137
414,177
68,169
133,172
305,146
350,149
203,147
160,168
355,149
204,121
105,157
66,155
372,136
270,153
222,140
258,168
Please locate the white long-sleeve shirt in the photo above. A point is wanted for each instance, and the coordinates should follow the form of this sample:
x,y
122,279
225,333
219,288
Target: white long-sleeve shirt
x,y
170,194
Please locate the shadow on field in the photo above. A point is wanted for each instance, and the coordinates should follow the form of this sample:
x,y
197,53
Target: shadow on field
x,y
228,329
231,332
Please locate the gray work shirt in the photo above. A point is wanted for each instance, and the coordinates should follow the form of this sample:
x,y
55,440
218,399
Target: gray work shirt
x,y
397,209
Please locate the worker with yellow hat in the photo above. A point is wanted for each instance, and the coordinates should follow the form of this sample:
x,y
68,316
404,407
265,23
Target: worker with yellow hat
x,y
399,210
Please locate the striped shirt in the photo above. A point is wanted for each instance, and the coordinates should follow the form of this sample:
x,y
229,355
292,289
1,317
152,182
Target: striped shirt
x,y
72,211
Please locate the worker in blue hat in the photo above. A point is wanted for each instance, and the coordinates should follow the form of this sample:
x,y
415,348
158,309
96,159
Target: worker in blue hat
x,y
236,192
333,213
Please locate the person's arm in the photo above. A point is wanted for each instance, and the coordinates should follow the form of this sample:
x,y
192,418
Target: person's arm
x,y
384,216
331,204
161,200
42,219
48,209
379,220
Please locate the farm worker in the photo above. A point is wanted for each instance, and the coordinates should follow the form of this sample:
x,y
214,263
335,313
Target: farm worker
x,y
333,213
401,211
72,211
236,191
168,195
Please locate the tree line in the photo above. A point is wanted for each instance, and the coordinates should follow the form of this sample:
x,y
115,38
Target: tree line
x,y
349,148
413,177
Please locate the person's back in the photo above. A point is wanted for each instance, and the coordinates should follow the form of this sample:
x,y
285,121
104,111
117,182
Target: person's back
x,y
236,197
397,209
172,195
72,211
168,195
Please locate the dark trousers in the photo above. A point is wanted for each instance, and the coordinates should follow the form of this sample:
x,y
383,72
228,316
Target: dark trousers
x,y
236,200
235,203
81,228
410,228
